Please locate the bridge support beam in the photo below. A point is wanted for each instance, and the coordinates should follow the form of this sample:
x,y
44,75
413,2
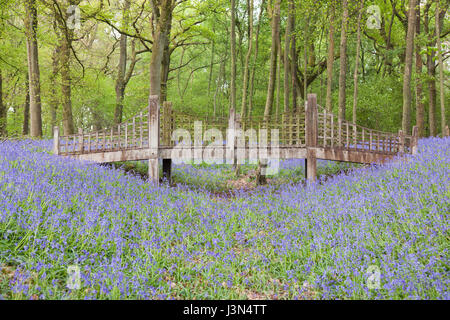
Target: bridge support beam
x,y
311,166
311,138
153,138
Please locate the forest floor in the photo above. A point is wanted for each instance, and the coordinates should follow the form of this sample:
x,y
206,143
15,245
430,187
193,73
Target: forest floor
x,y
373,232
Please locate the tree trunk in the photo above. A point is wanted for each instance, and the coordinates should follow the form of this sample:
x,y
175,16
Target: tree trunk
x,y
431,94
26,110
233,55
3,110
122,67
343,61
406,118
66,90
355,75
54,101
211,66
255,56
247,60
273,59
295,88
420,108
305,60
33,68
441,67
330,60
278,88
287,45
165,63
162,12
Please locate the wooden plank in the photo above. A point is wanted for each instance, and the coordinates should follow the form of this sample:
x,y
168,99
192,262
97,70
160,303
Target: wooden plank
x,y
340,132
332,130
126,135
134,132
324,128
141,133
311,137
347,135
56,146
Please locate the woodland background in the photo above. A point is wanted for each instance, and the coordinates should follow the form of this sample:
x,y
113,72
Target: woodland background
x,y
385,67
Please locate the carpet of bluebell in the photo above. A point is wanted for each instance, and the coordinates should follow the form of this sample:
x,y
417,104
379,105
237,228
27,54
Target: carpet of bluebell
x,y
134,240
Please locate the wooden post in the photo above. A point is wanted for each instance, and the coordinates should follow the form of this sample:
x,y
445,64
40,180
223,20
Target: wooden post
x,y
401,142
447,131
311,138
415,140
153,138
81,141
231,137
166,137
56,140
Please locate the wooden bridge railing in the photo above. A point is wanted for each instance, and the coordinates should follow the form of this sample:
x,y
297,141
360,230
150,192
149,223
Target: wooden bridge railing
x,y
313,129
342,134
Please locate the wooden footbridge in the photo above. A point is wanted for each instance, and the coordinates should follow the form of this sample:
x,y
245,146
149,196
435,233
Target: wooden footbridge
x,y
312,133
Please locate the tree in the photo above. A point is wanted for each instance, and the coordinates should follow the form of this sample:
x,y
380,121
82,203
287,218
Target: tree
x,y
343,61
406,116
358,49
162,16
330,59
233,55
247,60
33,68
273,58
3,111
441,66
420,108
123,76
255,56
287,47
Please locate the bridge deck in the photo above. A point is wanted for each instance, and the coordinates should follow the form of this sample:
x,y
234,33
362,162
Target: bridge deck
x,y
313,133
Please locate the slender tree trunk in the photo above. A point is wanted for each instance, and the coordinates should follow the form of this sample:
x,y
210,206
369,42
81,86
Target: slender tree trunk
x,y
219,83
305,62
54,101
255,57
211,66
343,62
287,45
247,60
122,67
278,88
162,13
165,63
420,108
406,118
431,81
33,68
3,110
441,67
273,59
431,94
355,75
233,55
293,75
66,90
26,110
